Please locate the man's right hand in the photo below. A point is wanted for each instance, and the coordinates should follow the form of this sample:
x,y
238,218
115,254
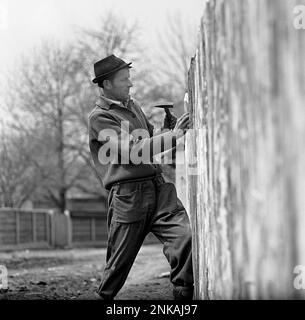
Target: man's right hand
x,y
181,125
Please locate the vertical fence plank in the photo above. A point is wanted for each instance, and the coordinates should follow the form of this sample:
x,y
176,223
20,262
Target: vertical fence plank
x,y
246,101
47,220
34,230
93,230
17,217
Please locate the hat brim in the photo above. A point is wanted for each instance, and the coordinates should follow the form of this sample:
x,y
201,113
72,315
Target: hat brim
x,y
102,76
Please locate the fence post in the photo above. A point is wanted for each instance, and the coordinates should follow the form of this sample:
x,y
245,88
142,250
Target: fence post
x,y
61,229
69,228
51,227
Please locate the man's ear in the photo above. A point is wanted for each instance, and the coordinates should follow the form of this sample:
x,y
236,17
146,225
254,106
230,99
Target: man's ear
x,y
107,84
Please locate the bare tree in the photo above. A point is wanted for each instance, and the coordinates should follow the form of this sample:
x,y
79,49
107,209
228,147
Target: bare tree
x,y
50,102
177,44
112,36
116,36
46,88
20,172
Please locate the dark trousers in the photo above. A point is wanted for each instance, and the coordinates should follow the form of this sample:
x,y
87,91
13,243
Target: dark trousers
x,y
135,209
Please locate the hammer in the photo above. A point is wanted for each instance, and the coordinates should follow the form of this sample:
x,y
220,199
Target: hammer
x,y
166,106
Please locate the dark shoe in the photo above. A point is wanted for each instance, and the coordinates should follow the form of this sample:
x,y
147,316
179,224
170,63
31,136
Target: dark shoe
x,y
97,296
183,293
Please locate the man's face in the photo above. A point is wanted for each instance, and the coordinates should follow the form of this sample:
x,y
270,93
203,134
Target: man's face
x,y
120,85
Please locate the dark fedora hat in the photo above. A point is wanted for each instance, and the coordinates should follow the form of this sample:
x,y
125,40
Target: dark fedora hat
x,y
108,66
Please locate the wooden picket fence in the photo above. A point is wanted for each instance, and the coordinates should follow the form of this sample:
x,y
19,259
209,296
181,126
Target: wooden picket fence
x,y
28,229
24,228
88,228
35,228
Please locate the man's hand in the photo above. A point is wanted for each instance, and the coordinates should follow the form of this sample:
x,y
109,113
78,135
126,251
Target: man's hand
x,y
182,125
169,123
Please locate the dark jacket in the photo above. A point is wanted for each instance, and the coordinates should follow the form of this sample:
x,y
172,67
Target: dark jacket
x,y
106,115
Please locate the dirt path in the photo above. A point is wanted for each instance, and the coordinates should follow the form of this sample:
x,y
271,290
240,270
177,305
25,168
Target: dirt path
x,y
76,273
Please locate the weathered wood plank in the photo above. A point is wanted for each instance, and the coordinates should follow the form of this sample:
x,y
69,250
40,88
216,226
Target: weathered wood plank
x,y
246,98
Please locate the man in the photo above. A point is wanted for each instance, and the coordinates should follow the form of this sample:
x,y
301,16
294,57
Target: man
x,y
139,200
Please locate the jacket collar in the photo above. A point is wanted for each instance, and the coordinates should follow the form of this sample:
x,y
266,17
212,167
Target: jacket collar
x,y
102,103
106,103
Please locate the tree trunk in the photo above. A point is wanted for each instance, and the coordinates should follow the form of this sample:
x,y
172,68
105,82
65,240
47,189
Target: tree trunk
x,y
61,160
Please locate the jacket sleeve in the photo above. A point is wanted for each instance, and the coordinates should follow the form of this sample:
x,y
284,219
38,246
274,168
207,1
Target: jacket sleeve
x,y
114,138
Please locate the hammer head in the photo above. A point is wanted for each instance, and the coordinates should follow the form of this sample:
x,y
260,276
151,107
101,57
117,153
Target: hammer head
x,y
164,105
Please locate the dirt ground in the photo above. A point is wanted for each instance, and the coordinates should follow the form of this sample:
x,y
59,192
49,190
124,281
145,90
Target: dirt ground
x,y
76,273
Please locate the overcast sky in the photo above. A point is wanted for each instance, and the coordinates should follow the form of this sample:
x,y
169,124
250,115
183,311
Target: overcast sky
x,y
24,23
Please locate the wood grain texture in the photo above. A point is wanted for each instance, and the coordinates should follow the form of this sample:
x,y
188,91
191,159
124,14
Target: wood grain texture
x,y
246,93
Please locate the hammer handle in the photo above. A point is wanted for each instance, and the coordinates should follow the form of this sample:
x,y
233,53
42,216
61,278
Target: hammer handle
x,y
168,113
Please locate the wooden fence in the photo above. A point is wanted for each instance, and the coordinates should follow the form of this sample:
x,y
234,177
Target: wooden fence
x,y
24,228
88,228
27,229
244,163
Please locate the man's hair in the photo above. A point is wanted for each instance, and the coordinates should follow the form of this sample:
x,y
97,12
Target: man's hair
x,y
110,78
